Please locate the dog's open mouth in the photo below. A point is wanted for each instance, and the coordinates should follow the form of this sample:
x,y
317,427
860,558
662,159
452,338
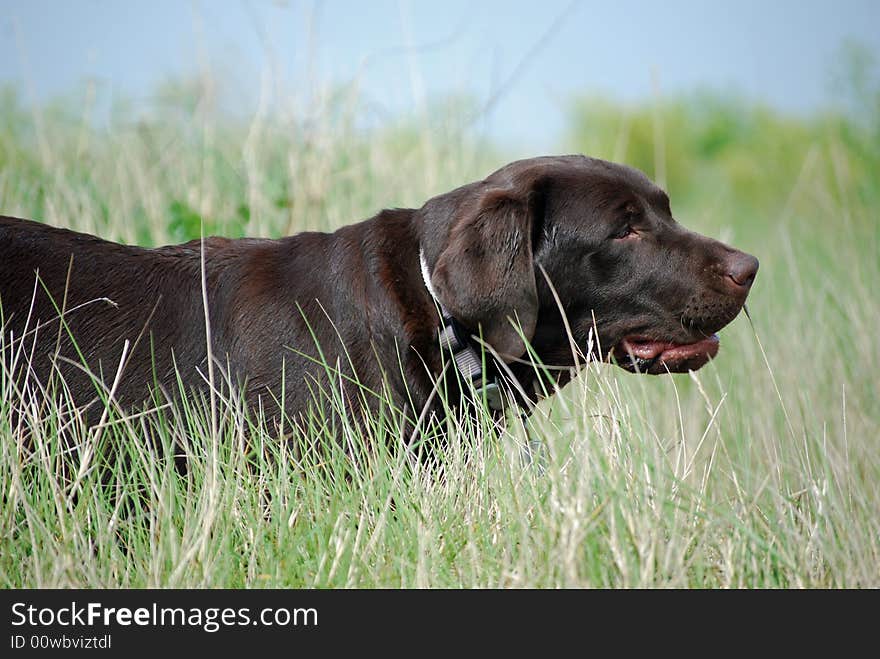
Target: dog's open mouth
x,y
639,354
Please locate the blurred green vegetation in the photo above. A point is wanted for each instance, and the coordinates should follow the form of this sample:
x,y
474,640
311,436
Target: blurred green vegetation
x,y
709,146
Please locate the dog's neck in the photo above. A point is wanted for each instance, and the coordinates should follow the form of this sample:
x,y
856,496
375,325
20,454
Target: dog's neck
x,y
453,339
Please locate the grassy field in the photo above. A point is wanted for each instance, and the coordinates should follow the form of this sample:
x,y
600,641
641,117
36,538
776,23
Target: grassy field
x,y
760,470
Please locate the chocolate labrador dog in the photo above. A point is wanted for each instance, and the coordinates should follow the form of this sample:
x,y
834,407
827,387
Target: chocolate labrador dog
x,y
479,283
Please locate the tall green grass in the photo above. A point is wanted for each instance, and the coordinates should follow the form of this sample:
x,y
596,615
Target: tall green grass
x,y
760,470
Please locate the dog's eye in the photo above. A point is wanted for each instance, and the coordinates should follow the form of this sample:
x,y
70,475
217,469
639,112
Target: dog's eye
x,y
623,232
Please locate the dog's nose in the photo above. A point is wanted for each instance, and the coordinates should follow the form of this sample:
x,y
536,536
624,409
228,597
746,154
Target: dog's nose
x,y
741,269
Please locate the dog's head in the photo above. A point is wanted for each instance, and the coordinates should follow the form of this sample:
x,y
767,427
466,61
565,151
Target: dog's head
x,y
598,240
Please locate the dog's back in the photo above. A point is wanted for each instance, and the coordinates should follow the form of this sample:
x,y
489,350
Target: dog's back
x,y
71,301
76,308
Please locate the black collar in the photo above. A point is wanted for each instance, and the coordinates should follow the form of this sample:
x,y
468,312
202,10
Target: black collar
x,y
454,338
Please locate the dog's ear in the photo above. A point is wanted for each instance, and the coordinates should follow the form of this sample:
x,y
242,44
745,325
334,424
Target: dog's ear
x,y
485,275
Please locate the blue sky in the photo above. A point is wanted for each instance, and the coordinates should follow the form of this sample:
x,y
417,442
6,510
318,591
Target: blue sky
x,y
530,57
